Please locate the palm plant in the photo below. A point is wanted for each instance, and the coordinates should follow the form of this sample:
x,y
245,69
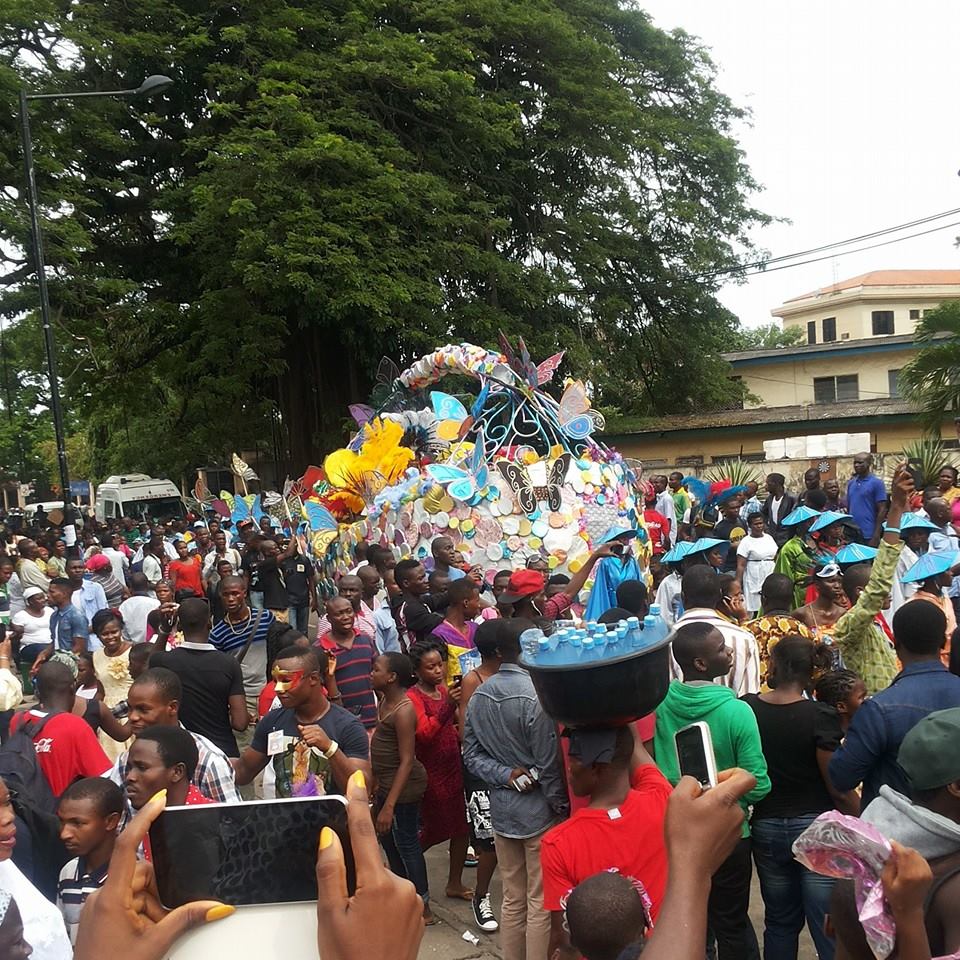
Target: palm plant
x,y
931,456
931,381
738,472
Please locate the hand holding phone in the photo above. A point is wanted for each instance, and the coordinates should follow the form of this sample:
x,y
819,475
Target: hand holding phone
x,y
695,754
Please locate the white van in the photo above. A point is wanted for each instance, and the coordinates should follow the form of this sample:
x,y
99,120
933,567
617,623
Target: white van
x,y
138,496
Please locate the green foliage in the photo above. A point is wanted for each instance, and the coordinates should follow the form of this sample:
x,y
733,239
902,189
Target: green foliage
x,y
330,182
932,457
932,379
738,472
767,336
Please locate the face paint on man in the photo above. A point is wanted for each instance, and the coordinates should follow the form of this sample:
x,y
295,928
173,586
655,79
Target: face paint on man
x,y
287,679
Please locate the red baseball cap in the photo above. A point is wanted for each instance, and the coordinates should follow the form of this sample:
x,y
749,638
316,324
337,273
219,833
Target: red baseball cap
x,y
523,583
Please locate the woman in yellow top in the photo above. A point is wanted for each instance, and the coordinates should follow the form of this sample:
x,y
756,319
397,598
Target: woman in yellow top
x,y
947,483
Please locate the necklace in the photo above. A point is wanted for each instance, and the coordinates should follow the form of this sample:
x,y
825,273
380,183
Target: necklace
x,y
242,623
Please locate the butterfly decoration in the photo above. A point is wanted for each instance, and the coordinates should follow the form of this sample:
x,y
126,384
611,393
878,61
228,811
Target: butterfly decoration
x,y
361,413
462,484
322,524
247,508
548,368
242,469
387,372
521,364
451,415
576,418
529,494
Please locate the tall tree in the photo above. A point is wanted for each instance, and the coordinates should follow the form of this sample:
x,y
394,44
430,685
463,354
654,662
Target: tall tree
x,y
328,183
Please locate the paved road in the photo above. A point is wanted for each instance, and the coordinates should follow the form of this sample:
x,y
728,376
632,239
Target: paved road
x,y
444,941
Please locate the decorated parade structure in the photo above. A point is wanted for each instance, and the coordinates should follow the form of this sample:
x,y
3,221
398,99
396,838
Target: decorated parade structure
x,y
496,463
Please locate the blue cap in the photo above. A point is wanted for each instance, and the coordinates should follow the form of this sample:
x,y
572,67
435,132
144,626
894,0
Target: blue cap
x,y
827,518
913,521
799,515
456,574
855,553
931,565
615,531
676,553
706,543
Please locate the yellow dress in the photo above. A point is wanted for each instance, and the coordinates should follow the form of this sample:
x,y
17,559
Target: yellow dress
x,y
114,676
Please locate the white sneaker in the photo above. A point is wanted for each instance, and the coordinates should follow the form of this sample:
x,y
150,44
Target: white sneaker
x,y
483,914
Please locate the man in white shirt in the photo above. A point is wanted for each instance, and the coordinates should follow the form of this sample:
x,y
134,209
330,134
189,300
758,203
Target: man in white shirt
x,y
28,570
153,555
136,608
700,591
665,504
119,563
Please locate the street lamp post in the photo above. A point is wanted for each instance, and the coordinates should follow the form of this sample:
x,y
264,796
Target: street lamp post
x,y
150,87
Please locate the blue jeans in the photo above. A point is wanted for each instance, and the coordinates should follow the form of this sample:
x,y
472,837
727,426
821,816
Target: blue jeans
x,y
402,846
299,618
256,599
791,892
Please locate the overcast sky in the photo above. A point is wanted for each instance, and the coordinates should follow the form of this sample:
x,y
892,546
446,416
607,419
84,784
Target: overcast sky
x,y
855,127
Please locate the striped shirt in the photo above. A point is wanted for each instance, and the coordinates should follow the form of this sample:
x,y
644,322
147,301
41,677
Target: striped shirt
x,y
75,885
227,636
353,676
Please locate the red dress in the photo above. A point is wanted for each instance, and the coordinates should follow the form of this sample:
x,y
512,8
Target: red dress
x,y
443,810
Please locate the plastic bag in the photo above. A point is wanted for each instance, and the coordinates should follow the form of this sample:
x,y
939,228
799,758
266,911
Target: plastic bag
x,y
837,845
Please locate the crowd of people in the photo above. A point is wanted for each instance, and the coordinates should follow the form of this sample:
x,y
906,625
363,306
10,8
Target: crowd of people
x,y
812,632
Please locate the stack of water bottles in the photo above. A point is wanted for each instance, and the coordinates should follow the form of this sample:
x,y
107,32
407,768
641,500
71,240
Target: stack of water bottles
x,y
572,646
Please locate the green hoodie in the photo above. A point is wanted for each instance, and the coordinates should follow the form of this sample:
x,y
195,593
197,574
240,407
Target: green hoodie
x,y
733,727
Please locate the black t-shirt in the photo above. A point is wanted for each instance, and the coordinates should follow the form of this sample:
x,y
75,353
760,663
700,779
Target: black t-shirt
x,y
301,770
296,572
250,565
209,678
790,734
722,530
272,585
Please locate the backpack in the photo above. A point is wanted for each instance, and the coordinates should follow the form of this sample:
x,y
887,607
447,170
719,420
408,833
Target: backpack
x,y
20,770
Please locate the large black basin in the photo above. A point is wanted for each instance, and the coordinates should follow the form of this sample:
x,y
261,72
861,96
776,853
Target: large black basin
x,y
604,692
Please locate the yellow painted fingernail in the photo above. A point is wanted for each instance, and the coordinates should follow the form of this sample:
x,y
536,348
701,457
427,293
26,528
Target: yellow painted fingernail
x,y
358,780
160,796
326,838
219,912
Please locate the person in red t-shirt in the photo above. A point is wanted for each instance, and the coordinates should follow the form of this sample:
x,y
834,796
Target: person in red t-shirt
x,y
186,571
67,748
621,829
658,527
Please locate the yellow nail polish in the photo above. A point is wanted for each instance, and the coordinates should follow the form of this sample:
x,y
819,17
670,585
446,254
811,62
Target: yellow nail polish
x,y
358,780
326,838
160,796
218,913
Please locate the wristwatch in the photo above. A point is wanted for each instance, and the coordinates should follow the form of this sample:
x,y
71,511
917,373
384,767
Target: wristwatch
x,y
331,750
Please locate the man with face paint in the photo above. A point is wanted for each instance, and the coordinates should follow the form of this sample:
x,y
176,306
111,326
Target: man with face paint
x,y
313,745
527,590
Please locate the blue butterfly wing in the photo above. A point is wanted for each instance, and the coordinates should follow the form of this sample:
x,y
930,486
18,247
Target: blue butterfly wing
x,y
256,511
477,407
241,510
482,477
579,428
319,517
444,473
446,407
462,489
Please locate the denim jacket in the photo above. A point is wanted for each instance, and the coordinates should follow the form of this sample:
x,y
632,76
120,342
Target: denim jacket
x,y
506,728
869,752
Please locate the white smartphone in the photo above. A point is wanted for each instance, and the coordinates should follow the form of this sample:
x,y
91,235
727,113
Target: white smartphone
x,y
695,754
262,852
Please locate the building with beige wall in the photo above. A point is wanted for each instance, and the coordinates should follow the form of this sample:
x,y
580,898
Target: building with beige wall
x,y
882,303
842,380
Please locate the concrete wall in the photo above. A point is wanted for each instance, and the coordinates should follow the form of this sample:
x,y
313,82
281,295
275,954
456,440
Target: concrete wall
x,y
790,383
730,442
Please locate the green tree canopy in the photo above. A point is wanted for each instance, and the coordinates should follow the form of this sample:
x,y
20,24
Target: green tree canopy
x,y
329,183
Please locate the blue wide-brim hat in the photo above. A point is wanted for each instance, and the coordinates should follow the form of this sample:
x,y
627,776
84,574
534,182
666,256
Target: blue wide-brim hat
x,y
827,518
855,553
799,515
705,544
676,553
913,521
616,531
931,565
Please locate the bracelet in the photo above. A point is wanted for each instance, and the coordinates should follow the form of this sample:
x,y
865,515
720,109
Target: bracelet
x,y
892,529
331,750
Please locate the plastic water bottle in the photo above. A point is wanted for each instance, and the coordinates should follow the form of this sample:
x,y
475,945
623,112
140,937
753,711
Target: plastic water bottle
x,y
652,630
530,643
613,643
655,610
621,634
633,631
587,651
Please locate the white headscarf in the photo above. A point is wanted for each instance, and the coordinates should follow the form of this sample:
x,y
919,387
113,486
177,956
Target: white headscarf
x,y
43,926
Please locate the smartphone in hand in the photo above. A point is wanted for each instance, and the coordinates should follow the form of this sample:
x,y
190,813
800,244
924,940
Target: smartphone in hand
x,y
695,754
